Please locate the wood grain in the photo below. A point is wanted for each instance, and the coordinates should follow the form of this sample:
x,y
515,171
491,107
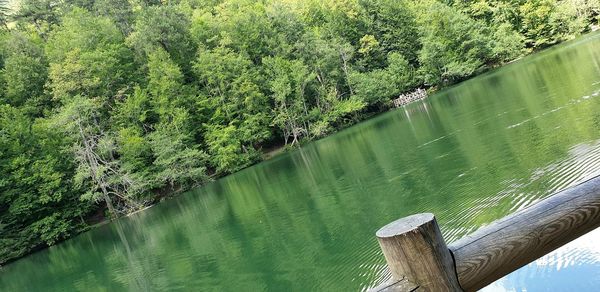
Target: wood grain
x,y
415,250
518,239
403,285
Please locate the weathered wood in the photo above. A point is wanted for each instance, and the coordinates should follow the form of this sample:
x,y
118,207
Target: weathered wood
x,y
403,285
415,250
518,239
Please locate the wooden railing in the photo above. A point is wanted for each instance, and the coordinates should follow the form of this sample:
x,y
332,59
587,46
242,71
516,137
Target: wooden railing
x,y
419,259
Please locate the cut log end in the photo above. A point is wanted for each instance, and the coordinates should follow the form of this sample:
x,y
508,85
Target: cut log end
x,y
415,250
404,225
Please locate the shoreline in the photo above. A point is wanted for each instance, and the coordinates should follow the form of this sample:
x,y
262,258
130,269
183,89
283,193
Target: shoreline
x,y
275,150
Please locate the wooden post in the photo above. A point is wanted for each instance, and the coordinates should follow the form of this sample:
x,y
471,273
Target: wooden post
x,y
417,255
415,251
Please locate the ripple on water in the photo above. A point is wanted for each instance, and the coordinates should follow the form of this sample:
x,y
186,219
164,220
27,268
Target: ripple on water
x,y
582,163
305,221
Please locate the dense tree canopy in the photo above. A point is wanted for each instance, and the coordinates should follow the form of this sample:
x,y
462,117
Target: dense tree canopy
x,y
106,106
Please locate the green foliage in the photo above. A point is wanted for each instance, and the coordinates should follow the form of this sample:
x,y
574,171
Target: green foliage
x,y
538,27
382,84
224,145
106,104
40,15
166,27
119,11
288,81
506,44
454,45
165,82
52,228
26,65
38,201
237,104
394,27
241,25
4,13
334,116
176,162
87,57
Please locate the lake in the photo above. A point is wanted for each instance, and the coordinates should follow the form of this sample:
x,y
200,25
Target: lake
x,y
306,220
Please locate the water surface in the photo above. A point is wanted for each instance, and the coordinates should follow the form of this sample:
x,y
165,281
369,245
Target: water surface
x,y
305,220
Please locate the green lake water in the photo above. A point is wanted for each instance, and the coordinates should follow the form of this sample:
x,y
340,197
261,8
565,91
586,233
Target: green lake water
x,y
305,220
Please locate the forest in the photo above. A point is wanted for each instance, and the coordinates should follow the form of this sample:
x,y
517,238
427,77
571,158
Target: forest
x,y
108,106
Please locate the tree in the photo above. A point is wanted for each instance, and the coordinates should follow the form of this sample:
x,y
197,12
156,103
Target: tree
x,y
4,13
41,14
454,45
394,26
119,11
94,150
177,160
89,67
336,19
546,22
112,103
502,24
506,45
38,203
166,27
25,71
380,85
288,81
242,26
231,83
537,28
88,57
165,83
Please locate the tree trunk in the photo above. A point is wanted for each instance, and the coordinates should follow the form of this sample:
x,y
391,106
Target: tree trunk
x,y
93,164
345,69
